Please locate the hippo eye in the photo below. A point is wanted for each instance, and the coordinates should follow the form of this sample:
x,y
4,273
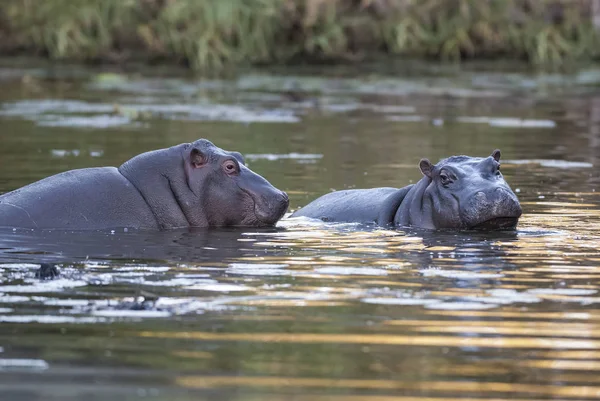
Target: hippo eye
x,y
445,179
498,170
230,167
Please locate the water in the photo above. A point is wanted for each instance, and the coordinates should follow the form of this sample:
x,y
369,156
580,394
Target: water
x,y
307,310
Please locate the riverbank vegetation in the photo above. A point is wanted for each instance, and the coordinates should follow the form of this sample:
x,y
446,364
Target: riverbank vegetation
x,y
211,35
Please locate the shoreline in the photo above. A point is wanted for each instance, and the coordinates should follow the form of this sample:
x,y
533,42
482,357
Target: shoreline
x,y
212,36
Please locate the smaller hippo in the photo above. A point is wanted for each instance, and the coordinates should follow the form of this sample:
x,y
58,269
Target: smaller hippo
x,y
188,185
460,192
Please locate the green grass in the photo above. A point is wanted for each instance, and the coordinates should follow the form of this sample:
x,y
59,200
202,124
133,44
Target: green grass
x,y
211,35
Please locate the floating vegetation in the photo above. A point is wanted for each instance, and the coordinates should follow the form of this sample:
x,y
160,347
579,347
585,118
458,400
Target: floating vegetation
x,y
213,35
74,113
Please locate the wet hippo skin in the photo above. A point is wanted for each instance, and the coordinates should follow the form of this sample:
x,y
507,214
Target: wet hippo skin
x,y
459,192
189,185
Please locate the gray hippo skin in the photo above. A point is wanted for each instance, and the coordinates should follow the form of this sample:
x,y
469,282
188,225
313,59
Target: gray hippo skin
x,y
193,184
459,192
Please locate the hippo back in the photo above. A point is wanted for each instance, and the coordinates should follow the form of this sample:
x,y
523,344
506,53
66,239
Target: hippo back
x,y
352,205
91,198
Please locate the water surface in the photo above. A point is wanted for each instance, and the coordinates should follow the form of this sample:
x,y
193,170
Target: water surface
x,y
307,310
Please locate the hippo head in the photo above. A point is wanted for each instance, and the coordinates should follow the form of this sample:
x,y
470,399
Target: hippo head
x,y
227,192
469,192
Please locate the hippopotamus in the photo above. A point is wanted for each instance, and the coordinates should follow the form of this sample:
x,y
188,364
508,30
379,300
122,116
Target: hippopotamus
x,y
459,192
188,185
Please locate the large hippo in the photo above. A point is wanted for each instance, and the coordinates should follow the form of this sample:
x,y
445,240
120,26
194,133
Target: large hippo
x,y
459,192
189,185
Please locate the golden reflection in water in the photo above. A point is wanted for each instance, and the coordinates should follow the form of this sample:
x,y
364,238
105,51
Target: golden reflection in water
x,y
377,241
265,318
575,219
537,267
534,258
544,329
562,364
437,386
475,369
288,302
193,354
381,339
519,314
554,354
372,397
316,397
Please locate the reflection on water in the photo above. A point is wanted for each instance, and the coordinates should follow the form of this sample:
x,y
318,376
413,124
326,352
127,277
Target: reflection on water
x,y
309,310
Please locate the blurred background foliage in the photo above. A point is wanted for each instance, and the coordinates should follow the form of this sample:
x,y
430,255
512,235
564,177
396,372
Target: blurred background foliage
x,y
212,35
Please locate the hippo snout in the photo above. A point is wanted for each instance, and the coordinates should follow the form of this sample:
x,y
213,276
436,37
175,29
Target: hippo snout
x,y
498,208
270,208
506,203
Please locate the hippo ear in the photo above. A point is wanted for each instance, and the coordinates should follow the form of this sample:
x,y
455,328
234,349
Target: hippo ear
x,y
426,167
197,158
496,155
239,157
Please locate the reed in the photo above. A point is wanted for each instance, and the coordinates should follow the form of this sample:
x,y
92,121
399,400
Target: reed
x,y
212,35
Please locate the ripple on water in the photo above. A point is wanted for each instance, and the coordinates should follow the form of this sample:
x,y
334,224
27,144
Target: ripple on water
x,y
19,266
74,152
100,121
9,299
349,271
258,269
37,286
138,314
220,287
508,122
562,291
460,305
459,274
27,364
50,319
178,282
551,163
503,297
293,156
399,301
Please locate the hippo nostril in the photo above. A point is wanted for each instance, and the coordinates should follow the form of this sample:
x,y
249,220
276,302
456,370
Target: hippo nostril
x,y
269,209
283,201
481,196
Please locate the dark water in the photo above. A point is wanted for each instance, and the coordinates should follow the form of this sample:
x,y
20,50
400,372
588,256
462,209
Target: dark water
x,y
308,311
